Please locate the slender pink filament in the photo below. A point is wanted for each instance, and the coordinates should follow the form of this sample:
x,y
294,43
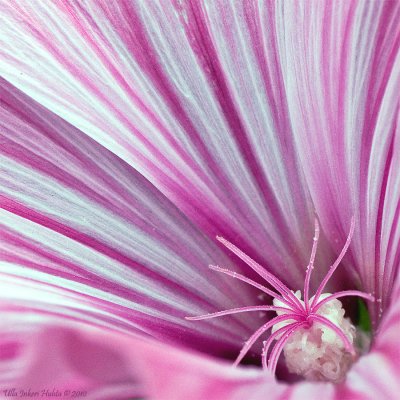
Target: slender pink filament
x,y
343,293
255,284
271,279
276,351
261,330
264,357
334,265
237,311
268,343
325,321
310,266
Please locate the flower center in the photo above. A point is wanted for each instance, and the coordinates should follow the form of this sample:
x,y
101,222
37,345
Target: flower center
x,y
315,337
315,351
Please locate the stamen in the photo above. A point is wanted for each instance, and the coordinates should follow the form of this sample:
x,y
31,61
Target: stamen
x,y
271,279
276,351
322,320
310,266
344,293
335,264
314,335
236,311
253,338
252,283
275,335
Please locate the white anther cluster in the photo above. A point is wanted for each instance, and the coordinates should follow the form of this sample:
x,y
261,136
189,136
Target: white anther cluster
x,y
317,353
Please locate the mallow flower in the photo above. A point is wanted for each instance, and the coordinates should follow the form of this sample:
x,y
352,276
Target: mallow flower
x,y
142,142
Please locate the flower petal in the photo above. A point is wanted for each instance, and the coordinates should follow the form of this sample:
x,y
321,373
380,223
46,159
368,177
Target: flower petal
x,y
376,375
170,89
39,351
75,217
49,354
180,375
342,73
48,357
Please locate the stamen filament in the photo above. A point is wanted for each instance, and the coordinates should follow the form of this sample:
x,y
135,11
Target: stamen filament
x,y
276,351
310,266
343,293
271,279
253,283
313,349
253,338
334,265
325,321
269,341
237,311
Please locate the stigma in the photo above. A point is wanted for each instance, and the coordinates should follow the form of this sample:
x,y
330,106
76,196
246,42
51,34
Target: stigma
x,y
315,337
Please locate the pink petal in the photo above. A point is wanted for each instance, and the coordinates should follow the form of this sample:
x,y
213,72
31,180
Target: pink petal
x,y
341,71
170,90
110,366
174,90
40,351
376,375
76,219
38,355
172,374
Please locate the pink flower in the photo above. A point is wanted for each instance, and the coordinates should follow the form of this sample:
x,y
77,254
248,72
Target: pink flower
x,y
135,132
